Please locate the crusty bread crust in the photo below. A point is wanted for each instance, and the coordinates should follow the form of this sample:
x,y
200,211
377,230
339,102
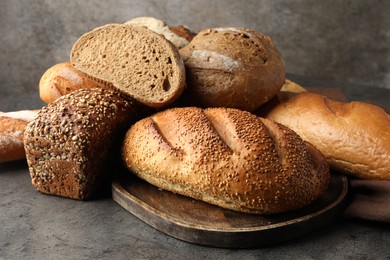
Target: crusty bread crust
x,y
354,137
180,36
232,67
12,125
68,145
291,86
63,78
138,62
226,157
183,32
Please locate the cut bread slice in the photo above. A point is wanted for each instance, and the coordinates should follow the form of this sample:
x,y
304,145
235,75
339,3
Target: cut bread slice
x,y
133,59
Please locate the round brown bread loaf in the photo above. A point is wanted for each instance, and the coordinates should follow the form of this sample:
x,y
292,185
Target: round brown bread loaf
x,y
231,67
354,137
12,125
69,144
63,78
138,62
226,157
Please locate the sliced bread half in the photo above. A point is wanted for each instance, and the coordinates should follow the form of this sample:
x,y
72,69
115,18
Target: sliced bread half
x,y
133,59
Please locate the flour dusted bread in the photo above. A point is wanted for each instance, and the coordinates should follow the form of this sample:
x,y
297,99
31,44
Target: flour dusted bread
x,y
180,35
138,62
69,144
63,78
354,137
232,67
12,125
226,157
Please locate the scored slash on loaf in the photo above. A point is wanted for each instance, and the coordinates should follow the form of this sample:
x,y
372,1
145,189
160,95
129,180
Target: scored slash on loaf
x,y
223,156
226,157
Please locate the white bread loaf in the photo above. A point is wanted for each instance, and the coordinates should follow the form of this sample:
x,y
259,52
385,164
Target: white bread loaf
x,y
232,67
354,137
226,157
138,62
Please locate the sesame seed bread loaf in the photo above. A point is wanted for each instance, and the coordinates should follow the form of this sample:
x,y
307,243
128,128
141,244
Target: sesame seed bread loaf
x,y
180,36
354,137
138,62
69,143
63,78
12,125
232,67
226,157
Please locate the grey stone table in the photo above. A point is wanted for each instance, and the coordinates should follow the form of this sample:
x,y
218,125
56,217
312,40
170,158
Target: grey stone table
x,y
38,226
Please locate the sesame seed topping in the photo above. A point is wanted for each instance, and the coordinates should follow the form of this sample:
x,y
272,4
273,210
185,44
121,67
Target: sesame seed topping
x,y
225,157
70,140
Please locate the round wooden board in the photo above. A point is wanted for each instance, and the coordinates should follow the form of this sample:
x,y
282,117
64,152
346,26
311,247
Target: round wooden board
x,y
201,223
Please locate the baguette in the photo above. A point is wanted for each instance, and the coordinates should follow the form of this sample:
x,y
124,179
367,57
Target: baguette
x,y
12,125
354,137
63,78
226,157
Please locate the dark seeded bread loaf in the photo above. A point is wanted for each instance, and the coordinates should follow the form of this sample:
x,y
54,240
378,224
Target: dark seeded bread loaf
x,y
232,67
226,157
138,62
69,143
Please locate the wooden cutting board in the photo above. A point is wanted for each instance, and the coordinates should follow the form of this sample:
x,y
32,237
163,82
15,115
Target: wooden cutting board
x,y
201,223
204,224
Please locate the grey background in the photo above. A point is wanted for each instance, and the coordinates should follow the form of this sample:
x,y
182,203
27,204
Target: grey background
x,y
344,42
333,43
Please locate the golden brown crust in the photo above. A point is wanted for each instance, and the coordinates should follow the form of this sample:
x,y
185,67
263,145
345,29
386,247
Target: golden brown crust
x,y
178,35
69,144
232,67
355,136
183,31
226,157
291,86
63,78
12,125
